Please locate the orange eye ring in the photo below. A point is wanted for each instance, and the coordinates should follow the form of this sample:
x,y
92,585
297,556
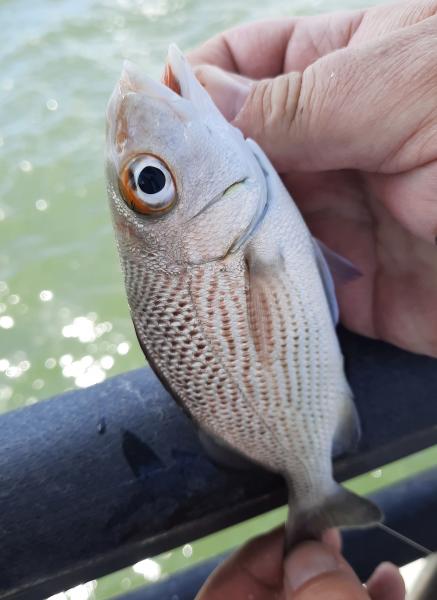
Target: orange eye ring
x,y
147,186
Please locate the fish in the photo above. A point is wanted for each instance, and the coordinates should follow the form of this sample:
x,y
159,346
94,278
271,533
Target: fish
x,y
232,299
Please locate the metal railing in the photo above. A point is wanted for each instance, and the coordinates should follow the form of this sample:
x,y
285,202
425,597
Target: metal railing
x,y
94,480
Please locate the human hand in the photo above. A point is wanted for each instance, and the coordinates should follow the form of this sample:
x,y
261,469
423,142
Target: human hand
x,y
345,105
312,571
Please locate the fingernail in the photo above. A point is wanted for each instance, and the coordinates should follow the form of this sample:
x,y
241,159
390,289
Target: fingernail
x,y
309,560
228,91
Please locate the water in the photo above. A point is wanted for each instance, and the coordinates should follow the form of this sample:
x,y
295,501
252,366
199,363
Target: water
x,y
63,315
64,320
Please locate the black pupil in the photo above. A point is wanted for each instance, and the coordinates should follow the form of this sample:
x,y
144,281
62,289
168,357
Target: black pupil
x,y
151,180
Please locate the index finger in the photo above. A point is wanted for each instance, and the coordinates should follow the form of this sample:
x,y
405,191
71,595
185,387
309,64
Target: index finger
x,y
254,50
269,48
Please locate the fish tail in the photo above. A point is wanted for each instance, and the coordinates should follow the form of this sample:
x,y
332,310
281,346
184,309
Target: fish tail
x,y
341,508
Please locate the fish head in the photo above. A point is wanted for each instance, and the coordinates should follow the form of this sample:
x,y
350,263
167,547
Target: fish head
x,y
184,186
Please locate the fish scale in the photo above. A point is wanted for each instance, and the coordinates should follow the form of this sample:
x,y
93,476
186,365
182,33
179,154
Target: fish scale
x,y
261,383
199,381
173,335
202,385
232,299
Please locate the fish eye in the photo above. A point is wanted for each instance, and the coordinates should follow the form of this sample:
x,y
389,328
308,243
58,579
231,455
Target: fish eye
x,y
147,185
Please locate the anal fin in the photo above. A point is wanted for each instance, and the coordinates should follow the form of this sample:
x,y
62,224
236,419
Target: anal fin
x,y
263,282
222,455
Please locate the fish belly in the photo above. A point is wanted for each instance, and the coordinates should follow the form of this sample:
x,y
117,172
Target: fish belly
x,y
179,344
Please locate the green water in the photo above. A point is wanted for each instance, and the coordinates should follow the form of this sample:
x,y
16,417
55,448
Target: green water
x,y
64,321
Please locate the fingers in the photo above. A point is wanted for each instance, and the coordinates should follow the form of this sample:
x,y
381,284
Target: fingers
x,y
262,557
262,110
229,91
254,571
380,20
410,198
368,108
250,50
386,583
332,537
355,108
269,48
315,570
312,571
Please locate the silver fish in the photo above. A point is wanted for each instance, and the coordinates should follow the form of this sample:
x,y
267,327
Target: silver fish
x,y
231,298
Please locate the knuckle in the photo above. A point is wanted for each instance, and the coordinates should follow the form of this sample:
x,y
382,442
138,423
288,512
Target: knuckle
x,y
273,104
255,110
286,93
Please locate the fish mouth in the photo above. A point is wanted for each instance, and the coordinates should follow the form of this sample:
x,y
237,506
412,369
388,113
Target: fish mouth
x,y
169,79
179,77
178,87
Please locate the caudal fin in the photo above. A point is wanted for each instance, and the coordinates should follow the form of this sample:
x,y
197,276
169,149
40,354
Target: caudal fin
x,y
342,508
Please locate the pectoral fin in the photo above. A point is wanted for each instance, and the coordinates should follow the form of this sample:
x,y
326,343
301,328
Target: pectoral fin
x,y
334,270
341,269
327,280
221,454
263,306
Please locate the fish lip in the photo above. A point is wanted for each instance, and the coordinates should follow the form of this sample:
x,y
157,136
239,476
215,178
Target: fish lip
x,y
192,102
181,70
190,90
189,87
134,81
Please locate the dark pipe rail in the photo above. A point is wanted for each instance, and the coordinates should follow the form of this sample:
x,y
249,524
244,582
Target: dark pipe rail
x,y
364,549
96,479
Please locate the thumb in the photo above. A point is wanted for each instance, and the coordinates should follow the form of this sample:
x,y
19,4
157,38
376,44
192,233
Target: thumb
x,y
315,571
285,114
358,107
260,109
